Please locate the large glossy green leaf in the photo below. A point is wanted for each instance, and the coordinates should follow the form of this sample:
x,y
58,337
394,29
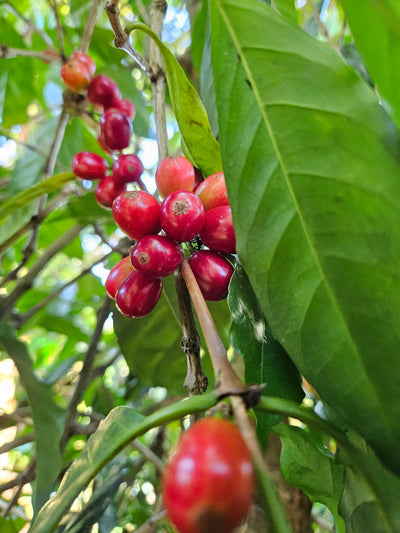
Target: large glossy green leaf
x,y
286,8
189,111
265,359
377,36
118,429
313,174
305,465
48,417
24,198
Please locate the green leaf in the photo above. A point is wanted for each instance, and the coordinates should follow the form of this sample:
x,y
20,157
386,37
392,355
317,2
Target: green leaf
x,y
286,8
48,417
189,111
265,359
151,345
362,505
24,198
118,429
313,175
306,466
377,36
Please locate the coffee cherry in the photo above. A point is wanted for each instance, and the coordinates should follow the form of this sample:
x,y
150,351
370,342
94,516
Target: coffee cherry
x,y
212,191
208,484
107,190
198,178
182,215
86,60
212,272
138,294
173,174
75,75
156,255
115,129
137,213
126,106
117,275
128,168
89,166
103,91
218,232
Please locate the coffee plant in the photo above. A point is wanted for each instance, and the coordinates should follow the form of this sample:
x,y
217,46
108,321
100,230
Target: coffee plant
x,y
199,266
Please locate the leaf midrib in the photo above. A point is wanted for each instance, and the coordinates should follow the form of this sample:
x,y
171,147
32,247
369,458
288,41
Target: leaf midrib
x,y
286,176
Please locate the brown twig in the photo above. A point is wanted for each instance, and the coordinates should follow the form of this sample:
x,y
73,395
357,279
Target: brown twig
x,y
85,374
121,39
18,441
321,26
196,381
227,381
7,52
26,476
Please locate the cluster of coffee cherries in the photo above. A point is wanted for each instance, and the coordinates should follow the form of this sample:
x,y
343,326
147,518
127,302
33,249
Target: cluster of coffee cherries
x,y
193,213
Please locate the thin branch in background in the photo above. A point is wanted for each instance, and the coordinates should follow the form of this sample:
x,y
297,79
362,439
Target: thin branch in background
x,y
90,24
26,476
7,52
151,522
143,12
19,416
149,455
32,148
18,441
46,38
21,319
35,219
122,247
86,372
321,26
25,283
60,31
158,82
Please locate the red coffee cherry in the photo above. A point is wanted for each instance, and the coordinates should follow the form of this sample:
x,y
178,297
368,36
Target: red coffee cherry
x,y
156,255
89,166
213,273
182,215
126,106
107,190
115,129
138,294
137,213
128,168
208,484
117,275
103,91
75,75
173,174
86,60
212,191
218,232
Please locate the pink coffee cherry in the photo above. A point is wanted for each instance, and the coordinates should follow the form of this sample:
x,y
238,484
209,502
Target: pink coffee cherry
x,y
89,166
126,106
128,168
138,294
103,91
212,191
137,213
182,215
117,275
156,255
218,232
115,129
213,273
107,190
174,173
